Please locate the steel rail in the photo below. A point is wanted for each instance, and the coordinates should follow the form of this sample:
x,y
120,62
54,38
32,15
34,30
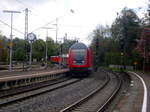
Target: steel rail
x,y
74,105
18,90
103,107
21,96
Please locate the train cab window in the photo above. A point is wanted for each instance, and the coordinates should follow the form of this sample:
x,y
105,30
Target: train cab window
x,y
78,56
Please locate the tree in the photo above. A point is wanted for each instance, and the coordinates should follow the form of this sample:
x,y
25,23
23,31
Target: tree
x,y
52,47
108,42
18,49
101,44
126,30
38,49
144,45
3,48
66,45
145,21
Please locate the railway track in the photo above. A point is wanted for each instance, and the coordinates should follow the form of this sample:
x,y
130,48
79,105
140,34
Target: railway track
x,y
58,97
53,100
98,99
9,99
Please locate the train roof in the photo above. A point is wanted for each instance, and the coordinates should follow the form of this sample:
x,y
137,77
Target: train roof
x,y
78,46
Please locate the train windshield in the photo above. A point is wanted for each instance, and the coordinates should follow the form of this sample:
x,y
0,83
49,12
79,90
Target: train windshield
x,y
78,56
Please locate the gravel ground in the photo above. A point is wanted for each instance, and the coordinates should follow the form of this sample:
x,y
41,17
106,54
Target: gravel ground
x,y
94,103
58,99
131,99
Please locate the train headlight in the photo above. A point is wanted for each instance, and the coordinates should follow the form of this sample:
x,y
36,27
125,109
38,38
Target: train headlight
x,y
83,61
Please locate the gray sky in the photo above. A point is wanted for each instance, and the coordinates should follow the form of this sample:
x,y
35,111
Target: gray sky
x,y
88,14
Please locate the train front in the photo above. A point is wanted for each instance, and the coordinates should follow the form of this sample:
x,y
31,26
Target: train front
x,y
79,58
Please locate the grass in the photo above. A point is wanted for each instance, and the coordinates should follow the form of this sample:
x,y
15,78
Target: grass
x,y
113,69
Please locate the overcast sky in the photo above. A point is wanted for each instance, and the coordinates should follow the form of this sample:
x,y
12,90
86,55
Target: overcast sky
x,y
88,14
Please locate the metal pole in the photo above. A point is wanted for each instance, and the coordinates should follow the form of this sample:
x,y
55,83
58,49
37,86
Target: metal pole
x,y
26,24
71,11
96,54
144,56
60,62
46,49
31,38
11,37
10,58
56,29
30,60
26,36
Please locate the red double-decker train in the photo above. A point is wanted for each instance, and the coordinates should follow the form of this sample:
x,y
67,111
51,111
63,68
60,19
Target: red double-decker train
x,y
77,60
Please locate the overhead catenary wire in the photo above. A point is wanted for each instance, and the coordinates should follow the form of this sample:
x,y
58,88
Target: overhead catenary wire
x,y
35,12
12,28
74,26
23,4
44,25
53,20
27,5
